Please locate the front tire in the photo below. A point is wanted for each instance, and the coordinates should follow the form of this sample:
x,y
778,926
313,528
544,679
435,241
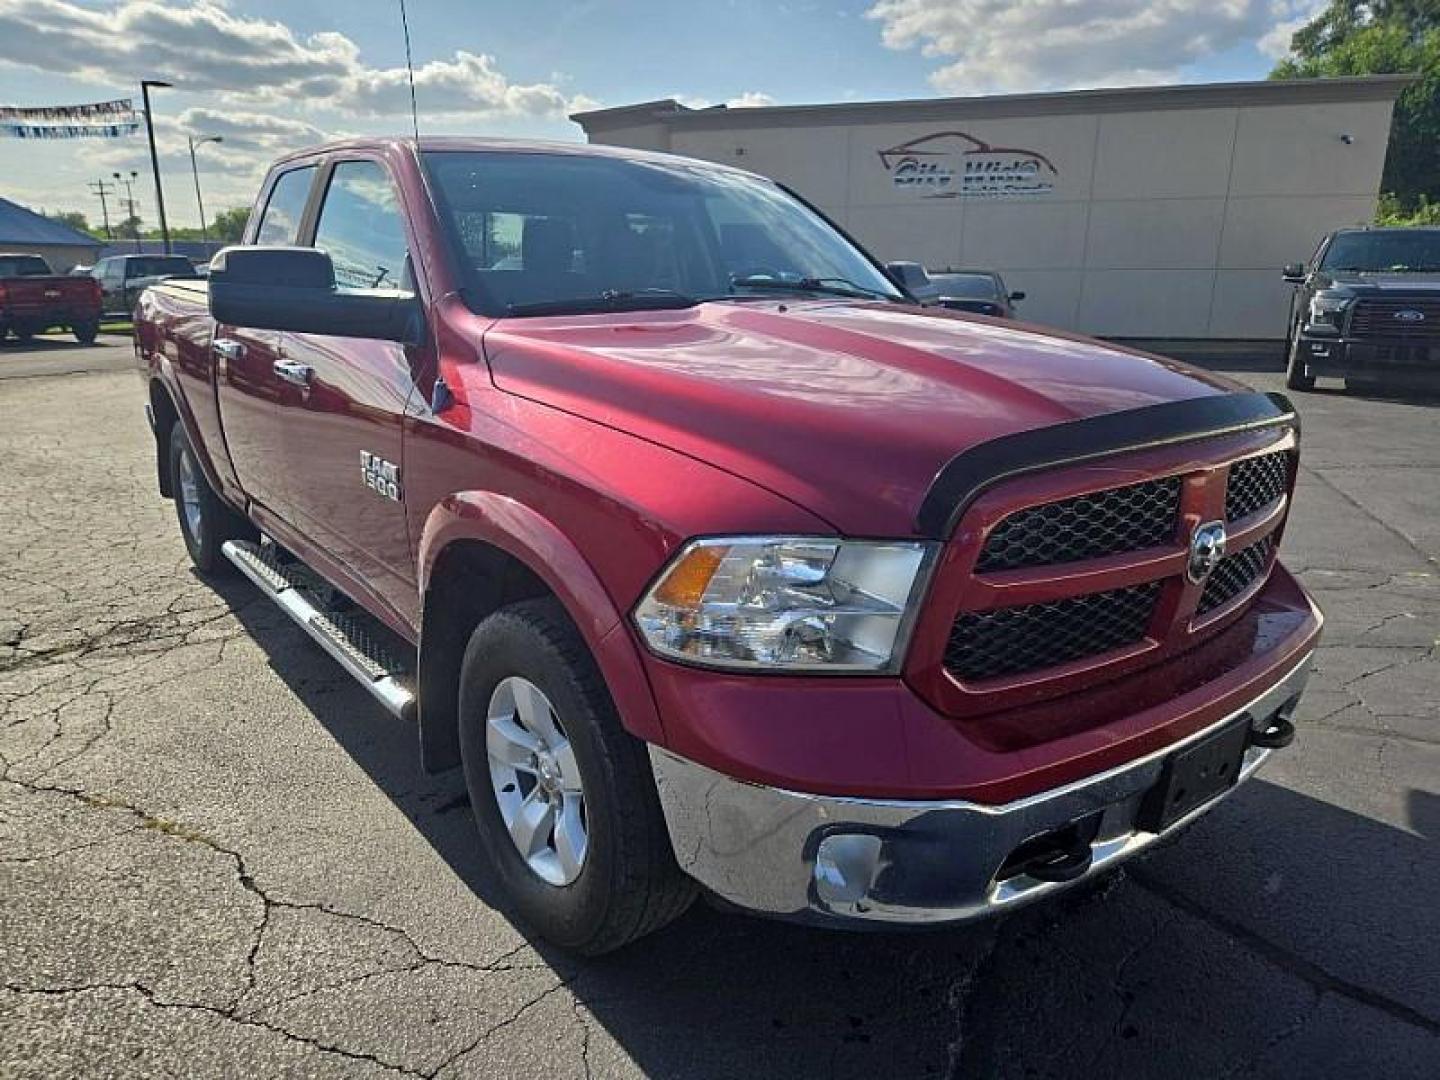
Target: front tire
x,y
562,794
1297,374
205,522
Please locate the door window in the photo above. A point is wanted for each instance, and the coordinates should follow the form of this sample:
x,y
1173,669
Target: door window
x,y
280,223
361,229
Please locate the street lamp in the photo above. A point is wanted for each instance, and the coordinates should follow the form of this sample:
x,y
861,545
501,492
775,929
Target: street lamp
x,y
128,181
195,172
145,85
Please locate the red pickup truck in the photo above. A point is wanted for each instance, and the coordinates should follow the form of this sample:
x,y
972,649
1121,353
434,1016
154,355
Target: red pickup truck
x,y
712,558
34,299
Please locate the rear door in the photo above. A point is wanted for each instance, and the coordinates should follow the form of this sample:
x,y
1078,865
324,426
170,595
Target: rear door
x,y
345,444
256,401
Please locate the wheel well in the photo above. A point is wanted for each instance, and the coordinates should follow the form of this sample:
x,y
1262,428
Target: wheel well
x,y
470,580
163,416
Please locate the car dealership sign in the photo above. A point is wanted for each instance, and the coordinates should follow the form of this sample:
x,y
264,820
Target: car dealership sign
x,y
954,165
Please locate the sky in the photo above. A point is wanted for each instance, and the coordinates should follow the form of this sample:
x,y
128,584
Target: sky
x,y
269,76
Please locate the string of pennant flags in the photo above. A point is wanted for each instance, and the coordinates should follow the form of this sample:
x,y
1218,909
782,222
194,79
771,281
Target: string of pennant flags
x,y
93,120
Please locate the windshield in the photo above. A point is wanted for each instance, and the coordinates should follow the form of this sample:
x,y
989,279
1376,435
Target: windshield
x,y
543,233
175,264
23,266
966,286
1384,250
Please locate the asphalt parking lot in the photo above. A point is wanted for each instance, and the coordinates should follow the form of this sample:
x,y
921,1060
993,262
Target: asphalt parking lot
x,y
219,857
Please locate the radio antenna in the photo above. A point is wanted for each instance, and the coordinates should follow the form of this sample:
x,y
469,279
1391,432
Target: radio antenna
x,y
410,70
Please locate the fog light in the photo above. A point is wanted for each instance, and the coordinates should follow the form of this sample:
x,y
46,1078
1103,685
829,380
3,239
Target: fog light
x,y
845,867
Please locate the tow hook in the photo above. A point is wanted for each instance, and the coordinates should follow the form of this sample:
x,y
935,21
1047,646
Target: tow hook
x,y
1063,854
1278,731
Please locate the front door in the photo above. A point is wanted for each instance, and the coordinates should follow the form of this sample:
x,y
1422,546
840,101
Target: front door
x,y
257,401
345,446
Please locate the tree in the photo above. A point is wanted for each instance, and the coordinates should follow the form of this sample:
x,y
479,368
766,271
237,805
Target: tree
x,y
73,219
1382,37
128,229
229,225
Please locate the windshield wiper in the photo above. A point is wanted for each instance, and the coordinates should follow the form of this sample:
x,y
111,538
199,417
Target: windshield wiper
x,y
828,286
607,300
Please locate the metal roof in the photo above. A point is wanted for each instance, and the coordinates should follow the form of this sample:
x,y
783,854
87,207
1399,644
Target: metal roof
x,y
22,227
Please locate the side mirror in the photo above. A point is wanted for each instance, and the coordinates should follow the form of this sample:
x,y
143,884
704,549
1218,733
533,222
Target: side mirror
x,y
1015,296
910,276
293,288
1294,273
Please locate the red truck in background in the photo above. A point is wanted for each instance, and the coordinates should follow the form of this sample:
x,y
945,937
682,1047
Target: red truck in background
x,y
33,299
713,559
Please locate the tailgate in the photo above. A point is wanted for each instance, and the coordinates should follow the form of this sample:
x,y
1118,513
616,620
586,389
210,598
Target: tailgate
x,y
46,292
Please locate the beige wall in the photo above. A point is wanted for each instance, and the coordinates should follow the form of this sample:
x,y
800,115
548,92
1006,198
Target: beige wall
x,y
1166,222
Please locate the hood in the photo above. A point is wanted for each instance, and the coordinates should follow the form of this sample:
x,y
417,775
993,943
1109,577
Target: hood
x,y
1356,284
848,409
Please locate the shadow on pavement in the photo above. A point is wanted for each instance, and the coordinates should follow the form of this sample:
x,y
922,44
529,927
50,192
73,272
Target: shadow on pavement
x,y
1424,392
49,344
1281,931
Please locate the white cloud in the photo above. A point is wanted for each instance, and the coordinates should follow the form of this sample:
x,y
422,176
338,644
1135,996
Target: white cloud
x,y
749,99
1276,43
1000,45
203,47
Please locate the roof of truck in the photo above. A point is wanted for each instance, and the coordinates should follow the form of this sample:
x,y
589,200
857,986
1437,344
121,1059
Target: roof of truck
x,y
438,143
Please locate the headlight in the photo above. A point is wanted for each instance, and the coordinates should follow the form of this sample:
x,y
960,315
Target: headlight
x,y
1328,311
786,603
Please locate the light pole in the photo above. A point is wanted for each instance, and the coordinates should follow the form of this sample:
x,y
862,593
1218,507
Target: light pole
x,y
195,172
145,85
130,201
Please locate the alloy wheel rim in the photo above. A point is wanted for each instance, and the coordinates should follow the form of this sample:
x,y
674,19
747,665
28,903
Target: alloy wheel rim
x,y
536,781
190,496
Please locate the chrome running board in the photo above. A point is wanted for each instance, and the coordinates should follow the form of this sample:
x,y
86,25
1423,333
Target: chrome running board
x,y
353,638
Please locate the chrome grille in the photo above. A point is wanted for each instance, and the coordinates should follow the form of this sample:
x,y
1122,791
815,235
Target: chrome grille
x,y
1009,641
1390,318
1235,574
1085,527
1256,483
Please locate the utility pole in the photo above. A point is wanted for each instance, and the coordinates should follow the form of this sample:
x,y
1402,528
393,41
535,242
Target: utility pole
x,y
145,85
130,201
99,187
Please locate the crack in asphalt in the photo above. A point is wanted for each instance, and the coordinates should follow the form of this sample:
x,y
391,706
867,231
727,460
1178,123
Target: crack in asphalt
x,y
959,995
514,1017
176,830
1318,474
163,1003
1306,970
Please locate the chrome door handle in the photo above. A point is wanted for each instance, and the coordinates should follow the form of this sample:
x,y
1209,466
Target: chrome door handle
x,y
291,372
230,350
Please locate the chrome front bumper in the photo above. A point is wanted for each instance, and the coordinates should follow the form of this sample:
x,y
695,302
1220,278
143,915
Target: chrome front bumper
x,y
837,860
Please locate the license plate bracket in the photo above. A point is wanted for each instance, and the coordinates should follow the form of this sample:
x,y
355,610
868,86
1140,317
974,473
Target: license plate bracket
x,y
1193,776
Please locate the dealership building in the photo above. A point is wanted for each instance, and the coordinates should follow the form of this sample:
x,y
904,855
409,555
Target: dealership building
x,y
1152,212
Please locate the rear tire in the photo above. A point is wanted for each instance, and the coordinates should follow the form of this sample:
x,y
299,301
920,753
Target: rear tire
x,y
626,882
1297,375
205,522
86,333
